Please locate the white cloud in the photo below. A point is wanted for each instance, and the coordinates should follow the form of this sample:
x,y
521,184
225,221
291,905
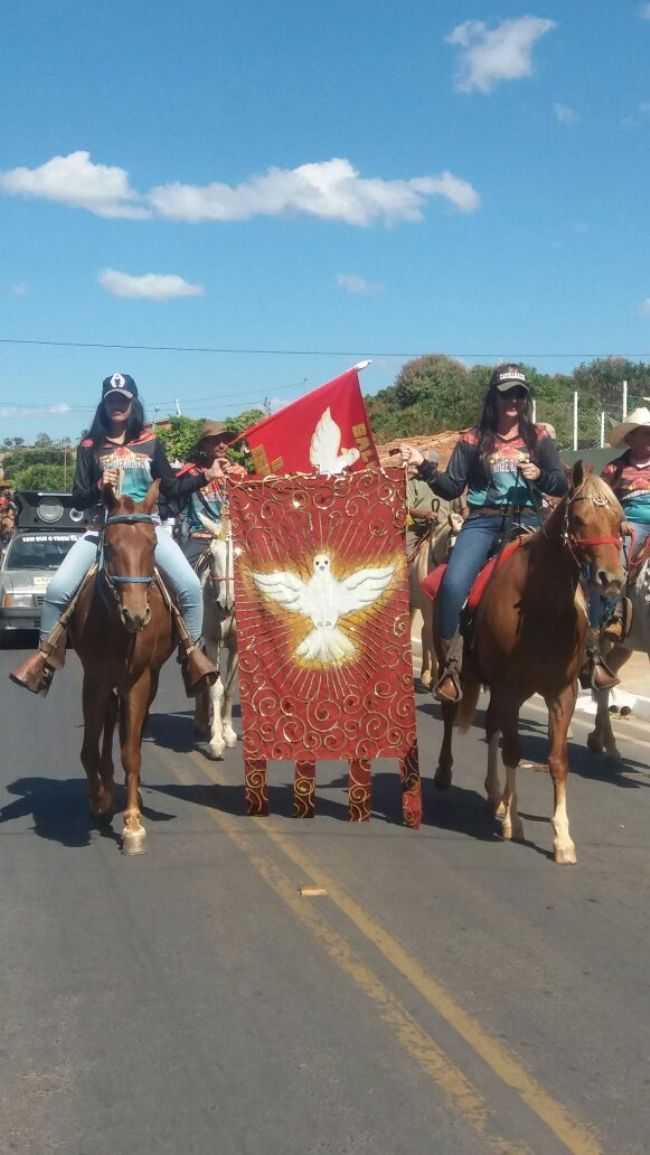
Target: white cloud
x,y
645,307
564,114
148,286
331,190
20,289
75,180
358,286
488,55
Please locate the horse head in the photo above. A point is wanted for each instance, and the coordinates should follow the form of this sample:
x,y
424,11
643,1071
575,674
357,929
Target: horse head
x,y
221,559
591,531
129,542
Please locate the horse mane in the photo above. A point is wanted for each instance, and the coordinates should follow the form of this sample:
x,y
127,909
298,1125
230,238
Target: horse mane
x,y
593,486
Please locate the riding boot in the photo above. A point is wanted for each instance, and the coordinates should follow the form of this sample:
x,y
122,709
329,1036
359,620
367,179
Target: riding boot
x,y
198,670
449,688
619,624
36,672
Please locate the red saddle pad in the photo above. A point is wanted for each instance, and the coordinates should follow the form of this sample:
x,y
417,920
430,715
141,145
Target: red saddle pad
x,y
430,585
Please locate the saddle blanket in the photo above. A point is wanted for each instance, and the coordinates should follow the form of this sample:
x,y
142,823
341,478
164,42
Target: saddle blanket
x,y
430,585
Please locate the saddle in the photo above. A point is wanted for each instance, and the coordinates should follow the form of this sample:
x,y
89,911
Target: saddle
x,y
638,558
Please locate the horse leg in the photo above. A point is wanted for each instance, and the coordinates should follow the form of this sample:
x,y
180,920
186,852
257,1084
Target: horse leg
x,y
106,762
602,736
133,717
560,712
232,666
492,783
511,824
215,696
429,664
442,777
95,701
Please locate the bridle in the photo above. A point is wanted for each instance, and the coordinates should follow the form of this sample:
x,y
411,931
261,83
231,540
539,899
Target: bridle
x,y
575,544
112,581
228,578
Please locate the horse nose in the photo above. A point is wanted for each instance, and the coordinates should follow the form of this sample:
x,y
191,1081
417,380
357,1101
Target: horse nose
x,y
135,622
610,583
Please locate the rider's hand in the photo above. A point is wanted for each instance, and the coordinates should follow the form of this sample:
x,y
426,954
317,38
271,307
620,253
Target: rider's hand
x,y
232,469
531,471
214,472
110,477
411,455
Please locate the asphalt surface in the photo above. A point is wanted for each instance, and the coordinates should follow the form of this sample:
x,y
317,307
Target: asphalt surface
x,y
450,994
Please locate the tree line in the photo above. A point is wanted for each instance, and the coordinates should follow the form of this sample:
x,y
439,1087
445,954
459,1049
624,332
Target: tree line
x,y
435,393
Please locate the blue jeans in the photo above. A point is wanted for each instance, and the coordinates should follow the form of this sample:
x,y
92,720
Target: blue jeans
x,y
600,608
170,559
476,541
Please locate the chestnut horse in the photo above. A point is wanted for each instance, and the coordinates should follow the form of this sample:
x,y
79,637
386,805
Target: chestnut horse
x,y
123,632
529,636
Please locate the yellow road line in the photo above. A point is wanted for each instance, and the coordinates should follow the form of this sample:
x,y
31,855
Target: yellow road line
x,y
576,1137
465,1099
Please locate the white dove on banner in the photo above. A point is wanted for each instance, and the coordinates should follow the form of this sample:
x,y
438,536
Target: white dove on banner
x,y
324,450
325,600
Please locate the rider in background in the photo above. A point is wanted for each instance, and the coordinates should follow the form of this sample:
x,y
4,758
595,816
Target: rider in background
x,y
629,477
207,501
122,452
505,463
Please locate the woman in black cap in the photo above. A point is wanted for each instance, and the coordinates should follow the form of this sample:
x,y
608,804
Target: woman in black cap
x,y
121,451
503,463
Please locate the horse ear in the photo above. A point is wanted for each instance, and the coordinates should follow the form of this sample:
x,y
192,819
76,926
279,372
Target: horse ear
x,y
578,475
110,498
151,500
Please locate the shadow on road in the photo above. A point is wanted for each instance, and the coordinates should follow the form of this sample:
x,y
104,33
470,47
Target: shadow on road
x,y
59,810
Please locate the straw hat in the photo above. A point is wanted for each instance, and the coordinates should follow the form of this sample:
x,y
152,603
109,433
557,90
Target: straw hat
x,y
216,429
637,419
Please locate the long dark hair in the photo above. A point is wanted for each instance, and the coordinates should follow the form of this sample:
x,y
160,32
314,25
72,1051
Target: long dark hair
x,y
101,425
489,416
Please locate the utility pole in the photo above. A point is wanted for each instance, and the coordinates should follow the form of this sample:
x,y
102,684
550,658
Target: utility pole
x,y
575,420
624,400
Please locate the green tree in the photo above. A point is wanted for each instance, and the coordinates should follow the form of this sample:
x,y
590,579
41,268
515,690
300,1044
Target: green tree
x,y
48,478
43,440
180,437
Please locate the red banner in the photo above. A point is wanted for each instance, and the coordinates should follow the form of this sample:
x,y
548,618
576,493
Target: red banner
x,y
323,617
326,431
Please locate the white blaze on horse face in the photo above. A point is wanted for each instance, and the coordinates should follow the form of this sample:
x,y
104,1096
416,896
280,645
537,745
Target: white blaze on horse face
x,y
324,600
325,452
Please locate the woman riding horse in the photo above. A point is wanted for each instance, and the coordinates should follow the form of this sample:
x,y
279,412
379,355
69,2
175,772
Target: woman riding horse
x,y
208,500
120,451
505,463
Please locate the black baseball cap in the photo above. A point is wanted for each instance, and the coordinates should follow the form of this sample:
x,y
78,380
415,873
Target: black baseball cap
x,y
120,383
506,377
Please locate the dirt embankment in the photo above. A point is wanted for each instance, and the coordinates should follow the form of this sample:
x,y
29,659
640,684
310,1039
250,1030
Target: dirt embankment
x,y
442,443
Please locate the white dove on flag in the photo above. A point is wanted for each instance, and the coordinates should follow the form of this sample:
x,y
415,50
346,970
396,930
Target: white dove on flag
x,y
325,446
325,600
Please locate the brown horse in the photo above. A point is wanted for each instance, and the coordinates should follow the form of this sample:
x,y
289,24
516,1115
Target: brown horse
x,y
529,637
122,630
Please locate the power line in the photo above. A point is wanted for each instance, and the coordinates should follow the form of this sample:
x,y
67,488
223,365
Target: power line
x,y
251,352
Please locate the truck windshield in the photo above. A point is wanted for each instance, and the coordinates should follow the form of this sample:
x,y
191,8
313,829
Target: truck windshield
x,y
38,550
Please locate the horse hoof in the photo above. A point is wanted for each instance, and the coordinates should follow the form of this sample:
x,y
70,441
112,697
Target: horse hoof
x,y
442,779
565,855
133,841
215,753
231,740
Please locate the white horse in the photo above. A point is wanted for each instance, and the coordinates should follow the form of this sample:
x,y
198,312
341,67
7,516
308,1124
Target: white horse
x,y
213,711
602,736
432,550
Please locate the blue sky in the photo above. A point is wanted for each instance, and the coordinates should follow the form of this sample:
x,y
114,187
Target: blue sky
x,y
490,195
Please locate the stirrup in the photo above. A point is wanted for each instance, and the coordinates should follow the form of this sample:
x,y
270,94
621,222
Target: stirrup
x,y
450,674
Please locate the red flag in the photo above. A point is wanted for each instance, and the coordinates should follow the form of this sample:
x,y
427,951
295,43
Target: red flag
x,y
326,431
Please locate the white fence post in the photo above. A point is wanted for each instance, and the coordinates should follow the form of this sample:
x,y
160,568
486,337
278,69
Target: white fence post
x,y
624,400
575,420
602,429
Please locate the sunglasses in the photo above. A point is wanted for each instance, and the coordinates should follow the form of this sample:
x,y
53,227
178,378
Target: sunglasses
x,y
516,394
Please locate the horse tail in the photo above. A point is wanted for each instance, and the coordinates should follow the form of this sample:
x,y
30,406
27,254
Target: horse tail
x,y
468,703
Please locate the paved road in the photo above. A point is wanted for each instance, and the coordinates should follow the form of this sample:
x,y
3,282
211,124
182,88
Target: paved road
x,y
450,994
